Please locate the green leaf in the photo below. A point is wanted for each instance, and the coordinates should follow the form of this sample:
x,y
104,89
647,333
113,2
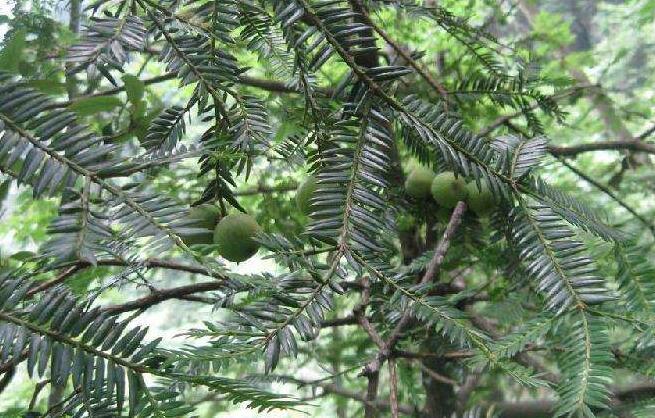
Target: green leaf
x,y
22,255
134,88
10,56
47,86
92,105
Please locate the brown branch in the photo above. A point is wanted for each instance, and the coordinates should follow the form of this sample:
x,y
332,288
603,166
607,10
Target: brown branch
x,y
648,132
338,322
59,279
359,313
451,355
371,394
274,86
433,267
8,375
14,361
165,264
631,145
610,193
266,190
502,120
339,391
376,405
438,377
401,51
150,263
162,295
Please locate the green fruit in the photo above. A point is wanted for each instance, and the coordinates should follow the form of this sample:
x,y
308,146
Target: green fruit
x,y
481,201
234,236
205,216
201,222
447,189
304,195
405,222
418,182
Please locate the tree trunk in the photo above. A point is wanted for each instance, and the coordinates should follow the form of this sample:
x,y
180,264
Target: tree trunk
x,y
440,397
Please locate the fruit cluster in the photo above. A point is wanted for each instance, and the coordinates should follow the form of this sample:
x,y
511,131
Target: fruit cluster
x,y
234,234
447,189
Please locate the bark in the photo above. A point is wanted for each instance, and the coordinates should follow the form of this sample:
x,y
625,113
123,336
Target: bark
x,y
440,399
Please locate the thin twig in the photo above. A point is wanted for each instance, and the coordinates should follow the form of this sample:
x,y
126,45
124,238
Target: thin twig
x,y
645,134
502,120
632,145
433,267
400,51
359,312
159,296
338,322
438,377
57,280
266,190
37,390
330,388
610,193
274,86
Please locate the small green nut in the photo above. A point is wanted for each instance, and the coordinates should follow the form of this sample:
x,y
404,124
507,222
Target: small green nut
x,y
235,235
202,220
405,222
447,189
481,201
418,182
304,195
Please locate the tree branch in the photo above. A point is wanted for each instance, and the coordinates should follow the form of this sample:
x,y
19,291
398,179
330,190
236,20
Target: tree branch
x,y
430,272
400,51
502,120
333,389
266,190
631,145
611,194
338,322
150,263
264,84
59,279
162,295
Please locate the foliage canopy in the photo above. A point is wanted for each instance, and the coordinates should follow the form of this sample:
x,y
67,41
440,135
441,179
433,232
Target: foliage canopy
x,y
115,131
